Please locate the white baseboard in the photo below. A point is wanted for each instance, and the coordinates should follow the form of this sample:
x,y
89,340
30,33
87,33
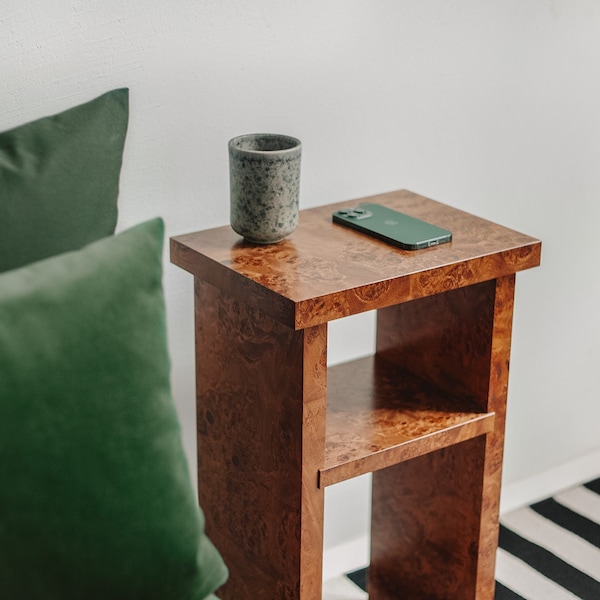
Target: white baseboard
x,y
354,554
551,481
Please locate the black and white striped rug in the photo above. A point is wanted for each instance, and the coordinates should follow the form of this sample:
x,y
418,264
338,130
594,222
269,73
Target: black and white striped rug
x,y
547,551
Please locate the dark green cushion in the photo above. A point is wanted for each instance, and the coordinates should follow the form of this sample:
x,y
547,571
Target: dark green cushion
x,y
59,180
95,495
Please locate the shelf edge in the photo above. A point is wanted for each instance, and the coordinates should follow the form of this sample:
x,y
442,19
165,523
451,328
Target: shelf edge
x,y
474,427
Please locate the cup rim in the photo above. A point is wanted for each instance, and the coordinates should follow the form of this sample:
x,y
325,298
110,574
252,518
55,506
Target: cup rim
x,y
295,143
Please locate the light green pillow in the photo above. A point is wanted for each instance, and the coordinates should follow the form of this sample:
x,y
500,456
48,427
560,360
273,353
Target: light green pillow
x,y
95,495
59,180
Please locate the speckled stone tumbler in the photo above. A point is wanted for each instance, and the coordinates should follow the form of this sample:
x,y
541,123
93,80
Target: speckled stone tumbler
x,y
264,174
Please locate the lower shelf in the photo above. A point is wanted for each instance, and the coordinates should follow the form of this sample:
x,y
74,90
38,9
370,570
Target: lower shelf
x,y
379,415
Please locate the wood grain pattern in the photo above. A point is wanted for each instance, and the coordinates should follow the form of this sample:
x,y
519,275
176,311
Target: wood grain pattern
x,y
324,271
425,522
379,415
494,442
426,414
261,431
435,536
445,339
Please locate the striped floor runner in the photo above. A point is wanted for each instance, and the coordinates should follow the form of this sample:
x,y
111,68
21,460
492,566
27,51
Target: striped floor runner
x,y
547,551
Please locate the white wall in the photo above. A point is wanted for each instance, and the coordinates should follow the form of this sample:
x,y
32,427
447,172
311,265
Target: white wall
x,y
492,107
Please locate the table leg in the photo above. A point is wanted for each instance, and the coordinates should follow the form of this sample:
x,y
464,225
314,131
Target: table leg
x,y
261,390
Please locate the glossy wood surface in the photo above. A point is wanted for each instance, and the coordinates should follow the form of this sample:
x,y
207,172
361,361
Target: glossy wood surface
x,y
379,415
435,518
261,437
425,526
426,414
324,271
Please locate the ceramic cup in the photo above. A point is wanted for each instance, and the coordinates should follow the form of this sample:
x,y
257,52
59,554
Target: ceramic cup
x,y
264,175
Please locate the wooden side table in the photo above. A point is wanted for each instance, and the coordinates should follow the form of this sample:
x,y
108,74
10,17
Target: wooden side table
x,y
425,414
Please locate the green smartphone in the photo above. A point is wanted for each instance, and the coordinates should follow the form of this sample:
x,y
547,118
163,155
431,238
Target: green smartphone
x,y
392,226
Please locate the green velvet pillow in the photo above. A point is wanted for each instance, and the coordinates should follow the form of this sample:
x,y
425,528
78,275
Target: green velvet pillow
x,y
95,495
59,180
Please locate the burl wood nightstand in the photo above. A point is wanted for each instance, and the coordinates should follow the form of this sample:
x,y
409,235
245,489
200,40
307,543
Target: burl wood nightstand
x,y
425,414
